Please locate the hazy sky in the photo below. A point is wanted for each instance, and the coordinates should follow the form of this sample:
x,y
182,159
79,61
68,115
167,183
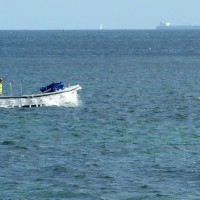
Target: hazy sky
x,y
89,14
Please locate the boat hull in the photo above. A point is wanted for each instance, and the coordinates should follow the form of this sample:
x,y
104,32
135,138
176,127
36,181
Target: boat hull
x,y
67,95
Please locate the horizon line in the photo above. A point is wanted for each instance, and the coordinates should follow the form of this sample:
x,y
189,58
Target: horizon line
x,y
78,29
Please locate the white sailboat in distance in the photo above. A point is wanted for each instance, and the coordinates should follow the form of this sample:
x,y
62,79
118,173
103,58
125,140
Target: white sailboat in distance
x,y
101,27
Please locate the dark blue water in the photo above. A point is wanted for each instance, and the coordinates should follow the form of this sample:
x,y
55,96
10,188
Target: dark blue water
x,y
136,132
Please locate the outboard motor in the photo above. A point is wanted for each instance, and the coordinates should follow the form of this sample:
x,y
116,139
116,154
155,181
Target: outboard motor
x,y
53,87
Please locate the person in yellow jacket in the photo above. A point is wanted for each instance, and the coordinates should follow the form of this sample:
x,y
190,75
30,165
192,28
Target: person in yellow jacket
x,y
1,87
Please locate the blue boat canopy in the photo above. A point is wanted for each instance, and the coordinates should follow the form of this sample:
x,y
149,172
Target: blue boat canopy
x,y
53,87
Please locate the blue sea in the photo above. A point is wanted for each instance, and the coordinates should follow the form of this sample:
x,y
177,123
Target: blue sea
x,y
135,134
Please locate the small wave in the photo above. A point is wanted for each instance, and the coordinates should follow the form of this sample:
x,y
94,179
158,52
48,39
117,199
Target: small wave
x,y
8,142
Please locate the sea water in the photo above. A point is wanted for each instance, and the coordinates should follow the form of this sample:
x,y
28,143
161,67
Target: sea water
x,y
135,131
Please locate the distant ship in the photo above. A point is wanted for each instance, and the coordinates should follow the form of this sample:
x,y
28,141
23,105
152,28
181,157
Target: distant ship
x,y
167,25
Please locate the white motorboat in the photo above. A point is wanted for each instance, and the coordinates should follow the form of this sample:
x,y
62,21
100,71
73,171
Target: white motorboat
x,y
58,96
